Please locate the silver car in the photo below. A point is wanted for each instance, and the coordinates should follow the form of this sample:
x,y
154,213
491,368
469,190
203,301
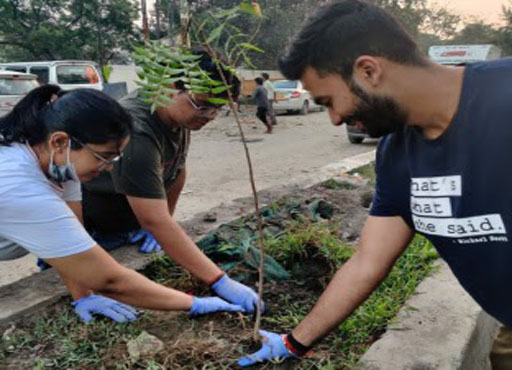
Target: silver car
x,y
13,87
292,97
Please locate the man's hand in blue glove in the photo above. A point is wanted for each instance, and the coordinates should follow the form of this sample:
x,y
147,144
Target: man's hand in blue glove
x,y
97,304
273,348
237,293
149,244
206,305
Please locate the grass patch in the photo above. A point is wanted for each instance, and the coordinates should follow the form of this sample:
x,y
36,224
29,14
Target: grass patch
x,y
366,172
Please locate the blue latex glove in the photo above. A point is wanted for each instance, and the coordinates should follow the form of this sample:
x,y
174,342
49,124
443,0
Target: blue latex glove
x,y
150,245
113,309
237,293
202,306
273,348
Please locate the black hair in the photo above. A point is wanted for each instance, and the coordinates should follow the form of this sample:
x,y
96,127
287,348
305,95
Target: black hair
x,y
88,115
338,33
265,75
259,80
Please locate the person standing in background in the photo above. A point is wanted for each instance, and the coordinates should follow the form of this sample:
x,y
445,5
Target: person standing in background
x,y
260,96
271,96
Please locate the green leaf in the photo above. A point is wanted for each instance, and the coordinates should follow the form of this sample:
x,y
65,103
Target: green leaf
x,y
218,90
218,101
199,89
249,9
215,34
252,47
165,99
149,93
170,81
169,91
148,101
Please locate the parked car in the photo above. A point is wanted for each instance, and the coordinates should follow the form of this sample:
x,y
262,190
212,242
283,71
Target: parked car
x,y
292,97
13,87
68,74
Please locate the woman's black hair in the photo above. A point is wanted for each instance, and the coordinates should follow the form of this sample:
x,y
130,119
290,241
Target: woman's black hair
x,y
85,114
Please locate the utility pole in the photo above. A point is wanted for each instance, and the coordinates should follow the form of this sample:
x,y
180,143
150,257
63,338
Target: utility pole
x,y
145,25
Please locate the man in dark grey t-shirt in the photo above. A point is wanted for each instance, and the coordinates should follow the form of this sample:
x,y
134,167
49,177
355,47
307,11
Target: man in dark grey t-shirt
x,y
135,202
259,95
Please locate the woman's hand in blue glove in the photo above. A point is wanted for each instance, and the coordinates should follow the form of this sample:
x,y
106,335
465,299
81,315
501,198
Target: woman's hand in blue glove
x,y
149,244
96,304
273,348
202,306
237,293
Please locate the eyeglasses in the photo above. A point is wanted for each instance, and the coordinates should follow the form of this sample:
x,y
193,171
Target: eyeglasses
x,y
204,108
106,162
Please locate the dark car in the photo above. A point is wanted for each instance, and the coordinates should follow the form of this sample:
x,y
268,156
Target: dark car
x,y
355,136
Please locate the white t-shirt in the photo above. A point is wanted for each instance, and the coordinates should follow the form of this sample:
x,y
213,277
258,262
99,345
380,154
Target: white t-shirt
x,y
33,210
269,86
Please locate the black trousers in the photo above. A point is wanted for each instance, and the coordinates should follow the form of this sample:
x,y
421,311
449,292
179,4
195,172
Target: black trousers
x,y
261,113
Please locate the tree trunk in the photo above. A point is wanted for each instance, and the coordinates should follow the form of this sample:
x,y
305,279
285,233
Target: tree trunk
x,y
157,25
184,23
145,25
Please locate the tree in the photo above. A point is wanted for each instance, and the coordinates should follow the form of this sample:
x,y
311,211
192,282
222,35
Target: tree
x,y
505,32
67,29
476,32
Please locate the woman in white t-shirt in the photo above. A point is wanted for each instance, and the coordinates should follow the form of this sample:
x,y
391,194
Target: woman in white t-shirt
x,y
50,142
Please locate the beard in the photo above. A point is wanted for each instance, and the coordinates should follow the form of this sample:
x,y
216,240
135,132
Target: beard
x,y
379,116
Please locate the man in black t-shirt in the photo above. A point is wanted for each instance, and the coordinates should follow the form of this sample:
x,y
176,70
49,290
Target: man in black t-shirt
x,y
135,202
441,169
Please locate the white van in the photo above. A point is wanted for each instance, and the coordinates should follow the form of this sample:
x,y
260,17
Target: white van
x,y
13,87
463,54
68,74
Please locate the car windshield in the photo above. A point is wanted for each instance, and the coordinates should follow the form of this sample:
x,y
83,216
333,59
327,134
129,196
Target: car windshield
x,y
16,86
79,75
285,84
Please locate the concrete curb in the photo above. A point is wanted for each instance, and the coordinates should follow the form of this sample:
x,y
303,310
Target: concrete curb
x,y
440,327
35,292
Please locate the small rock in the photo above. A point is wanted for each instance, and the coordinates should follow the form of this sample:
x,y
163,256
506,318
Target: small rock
x,y
366,198
210,217
6,336
144,345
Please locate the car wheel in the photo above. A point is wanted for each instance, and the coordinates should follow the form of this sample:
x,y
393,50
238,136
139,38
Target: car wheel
x,y
355,139
305,108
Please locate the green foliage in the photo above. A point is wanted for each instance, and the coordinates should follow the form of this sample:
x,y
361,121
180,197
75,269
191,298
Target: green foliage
x,y
219,30
160,69
67,29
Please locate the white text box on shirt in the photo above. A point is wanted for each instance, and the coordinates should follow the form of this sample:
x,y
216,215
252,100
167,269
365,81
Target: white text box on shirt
x,y
460,227
443,186
432,207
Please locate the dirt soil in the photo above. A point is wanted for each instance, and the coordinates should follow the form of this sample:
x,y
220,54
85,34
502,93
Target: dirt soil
x,y
217,171
215,341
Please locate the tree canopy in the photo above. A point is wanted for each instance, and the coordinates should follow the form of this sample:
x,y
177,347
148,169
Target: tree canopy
x,y
67,29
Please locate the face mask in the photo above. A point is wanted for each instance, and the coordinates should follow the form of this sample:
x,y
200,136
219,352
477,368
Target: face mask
x,y
62,173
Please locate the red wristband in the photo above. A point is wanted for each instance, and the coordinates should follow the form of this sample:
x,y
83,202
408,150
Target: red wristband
x,y
217,278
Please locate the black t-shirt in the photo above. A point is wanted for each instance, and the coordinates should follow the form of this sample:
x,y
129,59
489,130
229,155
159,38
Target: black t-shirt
x,y
457,190
150,164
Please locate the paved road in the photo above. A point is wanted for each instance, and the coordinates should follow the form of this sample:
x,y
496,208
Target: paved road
x,y
217,170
